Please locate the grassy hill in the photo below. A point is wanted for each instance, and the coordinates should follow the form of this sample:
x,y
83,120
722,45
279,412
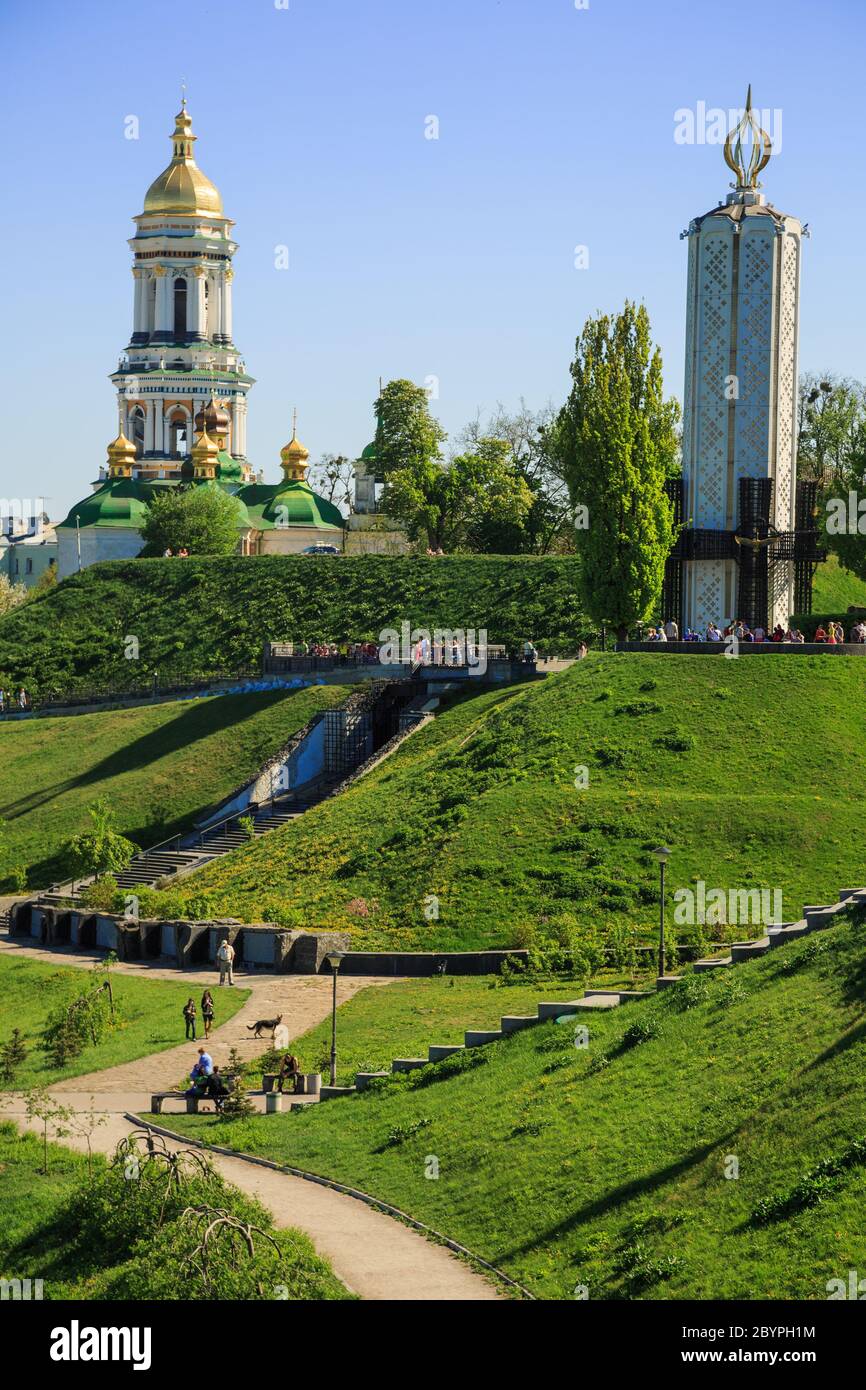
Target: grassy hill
x,y
744,768
200,616
615,1166
149,1014
835,588
159,767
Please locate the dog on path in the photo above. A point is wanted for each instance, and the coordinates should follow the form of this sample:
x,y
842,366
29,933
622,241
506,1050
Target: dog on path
x,y
271,1024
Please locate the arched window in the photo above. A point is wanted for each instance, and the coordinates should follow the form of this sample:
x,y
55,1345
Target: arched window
x,y
180,308
136,422
178,435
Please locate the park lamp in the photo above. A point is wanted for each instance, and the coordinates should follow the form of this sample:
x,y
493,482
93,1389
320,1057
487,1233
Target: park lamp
x,y
661,854
334,959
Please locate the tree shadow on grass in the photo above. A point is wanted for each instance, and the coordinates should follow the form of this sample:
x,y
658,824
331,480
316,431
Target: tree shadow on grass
x,y
189,727
621,1195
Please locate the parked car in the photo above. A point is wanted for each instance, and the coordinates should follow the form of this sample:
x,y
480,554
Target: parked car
x,y
320,550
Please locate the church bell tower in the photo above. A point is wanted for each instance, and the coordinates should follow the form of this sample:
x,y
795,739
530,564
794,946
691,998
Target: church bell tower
x,y
181,352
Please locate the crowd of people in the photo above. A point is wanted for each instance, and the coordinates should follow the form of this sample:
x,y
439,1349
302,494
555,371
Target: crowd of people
x,y
833,633
10,701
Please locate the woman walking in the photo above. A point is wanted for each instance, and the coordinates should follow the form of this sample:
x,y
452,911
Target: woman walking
x,y
189,1018
207,1012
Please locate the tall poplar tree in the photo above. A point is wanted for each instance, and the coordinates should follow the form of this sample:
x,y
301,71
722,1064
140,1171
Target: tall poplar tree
x,y
616,442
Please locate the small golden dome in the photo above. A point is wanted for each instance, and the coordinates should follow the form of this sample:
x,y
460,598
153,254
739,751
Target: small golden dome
x,y
182,187
294,455
121,454
204,456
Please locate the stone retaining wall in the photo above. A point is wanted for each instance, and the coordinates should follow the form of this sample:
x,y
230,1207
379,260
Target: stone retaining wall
x,y
260,946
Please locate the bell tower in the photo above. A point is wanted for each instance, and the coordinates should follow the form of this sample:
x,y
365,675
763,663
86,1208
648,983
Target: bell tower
x,y
181,352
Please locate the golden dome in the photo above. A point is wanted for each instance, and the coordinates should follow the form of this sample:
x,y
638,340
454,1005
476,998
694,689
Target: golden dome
x,y
204,456
182,187
121,455
294,455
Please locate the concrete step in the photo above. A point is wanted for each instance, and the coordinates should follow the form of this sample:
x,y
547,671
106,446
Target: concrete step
x,y
817,918
334,1092
363,1078
745,950
513,1023
479,1037
792,932
438,1051
408,1063
602,1000
623,995
714,963
665,981
857,894
555,1008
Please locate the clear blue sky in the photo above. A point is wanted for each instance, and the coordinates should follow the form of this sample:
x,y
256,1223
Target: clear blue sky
x,y
408,257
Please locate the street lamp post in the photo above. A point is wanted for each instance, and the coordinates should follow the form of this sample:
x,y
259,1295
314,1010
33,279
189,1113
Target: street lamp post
x,y
661,854
334,958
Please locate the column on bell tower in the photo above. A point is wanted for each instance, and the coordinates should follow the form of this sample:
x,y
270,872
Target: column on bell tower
x,y
163,326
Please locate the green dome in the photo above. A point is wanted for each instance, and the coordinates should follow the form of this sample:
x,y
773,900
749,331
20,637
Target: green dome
x,y
289,504
228,470
370,452
242,516
118,502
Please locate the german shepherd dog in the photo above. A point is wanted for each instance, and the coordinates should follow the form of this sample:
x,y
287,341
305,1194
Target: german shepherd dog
x,y
270,1023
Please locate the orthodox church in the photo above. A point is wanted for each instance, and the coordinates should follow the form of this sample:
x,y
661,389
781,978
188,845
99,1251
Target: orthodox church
x,y
182,389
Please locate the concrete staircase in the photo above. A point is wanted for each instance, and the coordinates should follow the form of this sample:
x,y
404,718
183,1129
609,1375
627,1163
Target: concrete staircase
x,y
814,919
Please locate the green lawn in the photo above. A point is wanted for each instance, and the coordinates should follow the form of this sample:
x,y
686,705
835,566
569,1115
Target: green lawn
x,y
745,768
402,1019
835,588
565,1170
107,1236
149,1011
159,766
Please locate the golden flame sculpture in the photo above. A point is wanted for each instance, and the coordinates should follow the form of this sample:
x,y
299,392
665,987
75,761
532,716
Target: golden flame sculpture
x,y
757,150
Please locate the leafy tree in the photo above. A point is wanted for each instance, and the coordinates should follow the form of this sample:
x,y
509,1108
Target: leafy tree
x,y
407,436
616,442
545,527
445,503
11,595
40,1105
831,433
99,850
200,519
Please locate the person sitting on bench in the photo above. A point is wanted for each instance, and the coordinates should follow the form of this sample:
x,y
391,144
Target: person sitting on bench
x,y
290,1070
217,1090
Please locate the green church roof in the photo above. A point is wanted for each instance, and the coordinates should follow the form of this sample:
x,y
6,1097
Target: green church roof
x,y
118,502
272,505
370,451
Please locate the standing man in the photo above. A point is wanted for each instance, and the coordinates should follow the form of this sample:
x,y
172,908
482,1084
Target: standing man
x,y
672,632
225,957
